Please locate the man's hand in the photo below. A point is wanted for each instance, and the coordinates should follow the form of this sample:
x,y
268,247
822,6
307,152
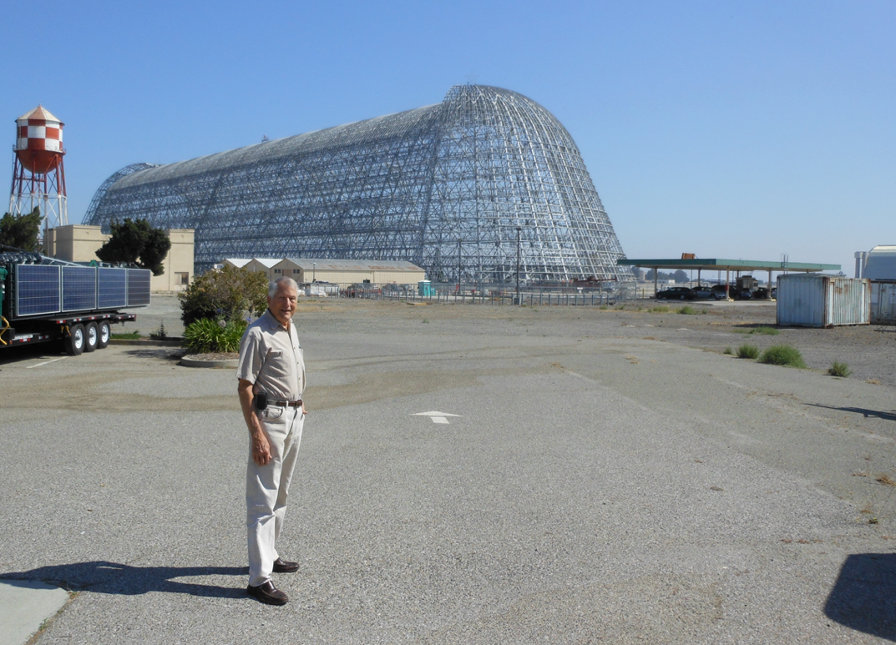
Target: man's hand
x,y
261,449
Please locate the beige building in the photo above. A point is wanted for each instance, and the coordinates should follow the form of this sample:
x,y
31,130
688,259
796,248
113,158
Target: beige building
x,y
265,265
79,243
337,272
346,272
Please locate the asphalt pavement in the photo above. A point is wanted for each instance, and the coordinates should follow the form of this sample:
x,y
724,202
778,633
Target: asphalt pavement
x,y
462,479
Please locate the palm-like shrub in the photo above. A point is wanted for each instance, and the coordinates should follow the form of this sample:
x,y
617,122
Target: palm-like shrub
x,y
210,335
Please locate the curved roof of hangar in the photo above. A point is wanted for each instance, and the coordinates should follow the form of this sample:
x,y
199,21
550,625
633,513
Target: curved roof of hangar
x,y
286,147
349,133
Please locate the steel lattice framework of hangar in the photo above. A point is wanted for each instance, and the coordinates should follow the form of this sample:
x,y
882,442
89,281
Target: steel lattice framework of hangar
x,y
727,265
479,188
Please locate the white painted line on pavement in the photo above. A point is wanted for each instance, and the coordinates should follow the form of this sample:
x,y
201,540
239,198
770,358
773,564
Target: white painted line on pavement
x,y
62,358
437,417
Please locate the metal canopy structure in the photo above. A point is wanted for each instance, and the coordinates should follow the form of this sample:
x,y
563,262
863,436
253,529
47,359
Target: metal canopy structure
x,y
727,265
485,187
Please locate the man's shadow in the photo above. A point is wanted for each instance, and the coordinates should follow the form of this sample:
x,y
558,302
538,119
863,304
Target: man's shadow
x,y
865,412
115,578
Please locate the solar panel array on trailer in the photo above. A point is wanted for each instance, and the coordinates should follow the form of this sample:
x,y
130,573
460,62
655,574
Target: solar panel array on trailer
x,y
43,289
44,301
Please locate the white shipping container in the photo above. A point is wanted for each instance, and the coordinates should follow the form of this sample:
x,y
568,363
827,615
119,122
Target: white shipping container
x,y
816,300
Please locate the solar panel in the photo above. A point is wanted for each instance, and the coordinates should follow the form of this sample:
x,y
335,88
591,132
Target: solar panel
x,y
111,287
78,288
37,289
138,287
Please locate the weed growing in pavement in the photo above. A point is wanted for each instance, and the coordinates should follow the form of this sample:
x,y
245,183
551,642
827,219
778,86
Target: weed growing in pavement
x,y
766,331
839,369
783,355
660,309
688,310
728,351
160,333
747,351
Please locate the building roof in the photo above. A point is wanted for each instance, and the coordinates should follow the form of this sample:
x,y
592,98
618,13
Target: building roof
x,y
238,262
727,264
39,113
881,263
267,262
330,264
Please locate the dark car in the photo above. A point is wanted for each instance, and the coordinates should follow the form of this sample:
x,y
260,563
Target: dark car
x,y
675,293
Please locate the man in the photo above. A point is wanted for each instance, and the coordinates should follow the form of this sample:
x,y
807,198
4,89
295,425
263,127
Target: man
x,y
271,377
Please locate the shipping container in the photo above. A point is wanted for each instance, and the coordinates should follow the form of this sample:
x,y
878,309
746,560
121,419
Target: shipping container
x,y
817,300
883,302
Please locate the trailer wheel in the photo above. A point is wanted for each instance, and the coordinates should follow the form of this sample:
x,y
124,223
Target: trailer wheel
x,y
74,342
104,335
91,337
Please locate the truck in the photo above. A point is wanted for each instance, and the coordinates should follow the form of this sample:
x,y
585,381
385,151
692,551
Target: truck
x,y
45,300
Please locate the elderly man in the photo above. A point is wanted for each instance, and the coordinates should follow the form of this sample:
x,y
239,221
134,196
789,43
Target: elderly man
x,y
271,377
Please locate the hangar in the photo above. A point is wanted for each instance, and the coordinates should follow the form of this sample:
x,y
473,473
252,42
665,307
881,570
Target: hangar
x,y
485,187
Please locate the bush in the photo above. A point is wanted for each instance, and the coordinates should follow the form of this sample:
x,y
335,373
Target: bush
x,y
782,355
839,369
228,294
209,335
688,310
747,351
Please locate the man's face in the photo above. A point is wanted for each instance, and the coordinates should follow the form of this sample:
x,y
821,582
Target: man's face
x,y
283,303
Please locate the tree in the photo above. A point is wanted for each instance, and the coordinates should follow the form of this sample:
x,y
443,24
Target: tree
x,y
227,294
22,231
136,242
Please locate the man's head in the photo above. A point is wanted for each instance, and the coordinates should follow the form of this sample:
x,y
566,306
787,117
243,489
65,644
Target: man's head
x,y
282,295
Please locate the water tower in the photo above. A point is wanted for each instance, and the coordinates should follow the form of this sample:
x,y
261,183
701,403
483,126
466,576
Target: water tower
x,y
38,177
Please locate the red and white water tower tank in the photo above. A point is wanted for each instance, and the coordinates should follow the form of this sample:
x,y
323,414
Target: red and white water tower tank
x,y
38,177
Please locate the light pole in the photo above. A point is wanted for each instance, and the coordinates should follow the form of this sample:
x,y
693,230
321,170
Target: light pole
x,y
518,265
314,272
458,267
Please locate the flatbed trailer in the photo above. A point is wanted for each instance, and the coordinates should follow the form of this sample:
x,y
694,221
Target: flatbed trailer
x,y
43,300
77,333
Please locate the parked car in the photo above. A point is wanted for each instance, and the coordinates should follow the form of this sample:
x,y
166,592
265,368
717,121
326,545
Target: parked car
x,y
702,292
719,292
675,293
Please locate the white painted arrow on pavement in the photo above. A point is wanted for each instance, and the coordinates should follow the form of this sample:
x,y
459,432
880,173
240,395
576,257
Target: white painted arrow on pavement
x,y
437,417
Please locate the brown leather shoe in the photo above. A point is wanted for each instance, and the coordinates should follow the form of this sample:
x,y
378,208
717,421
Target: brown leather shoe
x,y
284,566
267,593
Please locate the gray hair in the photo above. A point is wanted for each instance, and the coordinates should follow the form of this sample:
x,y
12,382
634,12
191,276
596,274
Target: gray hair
x,y
275,284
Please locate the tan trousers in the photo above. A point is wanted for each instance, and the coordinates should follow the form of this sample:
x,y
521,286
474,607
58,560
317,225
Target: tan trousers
x,y
267,489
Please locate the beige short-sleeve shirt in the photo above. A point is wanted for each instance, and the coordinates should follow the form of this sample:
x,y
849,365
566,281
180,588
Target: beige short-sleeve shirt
x,y
271,358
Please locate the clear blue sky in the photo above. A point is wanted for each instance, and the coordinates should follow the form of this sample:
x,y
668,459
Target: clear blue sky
x,y
728,129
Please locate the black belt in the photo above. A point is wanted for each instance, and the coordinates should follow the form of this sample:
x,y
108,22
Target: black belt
x,y
286,404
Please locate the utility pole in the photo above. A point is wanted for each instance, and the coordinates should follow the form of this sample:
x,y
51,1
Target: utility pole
x,y
518,229
458,266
